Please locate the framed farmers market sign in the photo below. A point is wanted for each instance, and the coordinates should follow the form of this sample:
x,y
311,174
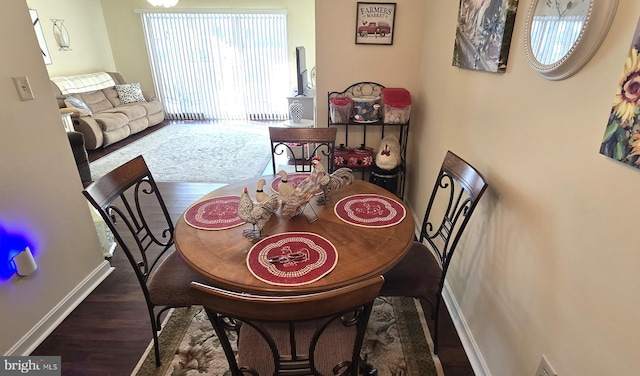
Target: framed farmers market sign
x,y
375,23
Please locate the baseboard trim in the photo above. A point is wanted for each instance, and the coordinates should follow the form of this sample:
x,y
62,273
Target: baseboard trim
x,y
466,337
47,325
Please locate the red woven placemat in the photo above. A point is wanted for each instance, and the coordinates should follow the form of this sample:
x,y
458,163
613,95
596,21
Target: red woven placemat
x,y
293,179
370,210
316,258
216,213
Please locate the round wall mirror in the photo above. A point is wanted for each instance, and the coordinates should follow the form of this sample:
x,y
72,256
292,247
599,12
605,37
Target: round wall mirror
x,y
562,35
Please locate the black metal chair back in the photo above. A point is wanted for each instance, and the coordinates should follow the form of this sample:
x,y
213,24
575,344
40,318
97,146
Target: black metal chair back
x,y
462,186
130,203
311,334
422,272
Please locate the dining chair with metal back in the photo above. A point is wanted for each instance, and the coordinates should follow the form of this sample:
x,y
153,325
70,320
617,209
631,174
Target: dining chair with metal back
x,y
129,201
422,271
311,142
310,334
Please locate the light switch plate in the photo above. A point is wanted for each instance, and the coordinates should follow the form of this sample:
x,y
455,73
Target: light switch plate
x,y
23,87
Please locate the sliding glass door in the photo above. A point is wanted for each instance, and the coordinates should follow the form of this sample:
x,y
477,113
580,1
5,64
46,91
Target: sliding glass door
x,y
219,66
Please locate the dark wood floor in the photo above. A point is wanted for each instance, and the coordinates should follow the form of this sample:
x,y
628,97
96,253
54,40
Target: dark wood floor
x,y
108,332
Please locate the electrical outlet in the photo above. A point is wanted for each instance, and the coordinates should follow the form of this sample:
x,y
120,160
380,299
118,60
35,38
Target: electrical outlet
x,y
544,369
23,87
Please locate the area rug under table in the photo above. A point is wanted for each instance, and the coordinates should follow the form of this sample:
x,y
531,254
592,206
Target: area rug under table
x,y
397,343
197,152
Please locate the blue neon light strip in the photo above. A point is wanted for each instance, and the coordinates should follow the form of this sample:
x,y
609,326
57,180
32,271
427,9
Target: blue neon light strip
x,y
10,245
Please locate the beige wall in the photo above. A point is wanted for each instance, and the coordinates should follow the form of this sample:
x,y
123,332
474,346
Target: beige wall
x,y
550,264
90,50
40,195
127,39
340,62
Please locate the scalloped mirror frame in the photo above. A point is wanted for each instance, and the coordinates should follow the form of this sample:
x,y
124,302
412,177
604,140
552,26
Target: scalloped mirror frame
x,y
595,28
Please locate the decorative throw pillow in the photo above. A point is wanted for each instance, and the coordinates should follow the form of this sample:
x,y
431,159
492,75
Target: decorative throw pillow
x,y
129,93
77,104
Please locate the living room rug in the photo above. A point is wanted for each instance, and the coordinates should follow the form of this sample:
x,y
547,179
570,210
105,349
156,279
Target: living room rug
x,y
397,343
197,152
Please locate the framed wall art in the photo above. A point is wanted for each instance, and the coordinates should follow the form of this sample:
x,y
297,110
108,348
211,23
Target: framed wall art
x,y
375,23
40,35
621,140
483,34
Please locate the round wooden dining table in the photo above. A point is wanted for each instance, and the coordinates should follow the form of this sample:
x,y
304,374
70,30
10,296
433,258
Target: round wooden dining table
x,y
362,252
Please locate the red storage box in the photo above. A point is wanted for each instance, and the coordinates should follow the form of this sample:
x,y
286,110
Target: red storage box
x,y
347,157
396,105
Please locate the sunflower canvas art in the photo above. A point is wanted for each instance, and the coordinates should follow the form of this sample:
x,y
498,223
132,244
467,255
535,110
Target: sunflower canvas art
x,y
621,139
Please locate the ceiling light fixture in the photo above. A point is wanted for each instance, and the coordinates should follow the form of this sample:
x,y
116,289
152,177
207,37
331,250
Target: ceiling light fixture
x,y
163,3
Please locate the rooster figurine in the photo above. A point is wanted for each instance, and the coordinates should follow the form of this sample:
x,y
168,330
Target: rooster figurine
x,y
300,197
260,195
256,213
329,183
317,172
285,189
388,156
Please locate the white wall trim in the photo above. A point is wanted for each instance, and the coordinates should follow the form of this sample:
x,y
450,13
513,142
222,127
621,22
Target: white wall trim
x,y
466,337
41,331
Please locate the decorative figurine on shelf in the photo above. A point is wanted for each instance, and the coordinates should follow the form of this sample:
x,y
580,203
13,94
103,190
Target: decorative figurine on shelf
x,y
256,213
388,156
330,182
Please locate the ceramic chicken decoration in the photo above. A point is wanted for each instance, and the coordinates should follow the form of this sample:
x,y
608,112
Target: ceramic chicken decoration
x,y
260,195
388,156
285,188
300,197
256,213
330,182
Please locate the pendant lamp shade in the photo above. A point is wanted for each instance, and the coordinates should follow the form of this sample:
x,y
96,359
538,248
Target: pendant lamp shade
x,y
163,3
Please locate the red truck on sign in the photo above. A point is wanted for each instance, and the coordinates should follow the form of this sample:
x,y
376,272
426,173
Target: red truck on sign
x,y
379,28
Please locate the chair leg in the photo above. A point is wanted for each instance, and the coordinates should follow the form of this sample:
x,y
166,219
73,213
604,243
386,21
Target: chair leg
x,y
435,313
438,301
154,329
156,347
366,369
436,325
158,322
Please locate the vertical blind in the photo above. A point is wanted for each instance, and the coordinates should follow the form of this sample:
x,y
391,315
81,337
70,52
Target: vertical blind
x,y
219,66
